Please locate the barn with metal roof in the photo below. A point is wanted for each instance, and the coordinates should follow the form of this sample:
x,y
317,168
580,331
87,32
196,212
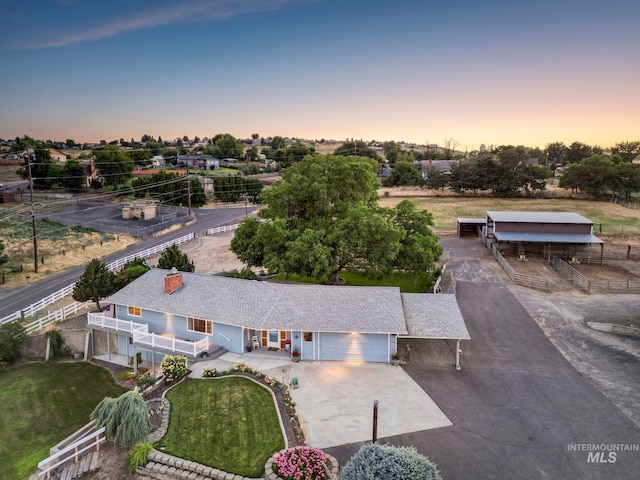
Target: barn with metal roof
x,y
545,233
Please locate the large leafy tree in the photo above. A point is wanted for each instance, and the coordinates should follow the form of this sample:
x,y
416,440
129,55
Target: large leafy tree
x,y
73,176
626,151
555,154
599,175
404,172
43,169
225,145
323,218
293,154
419,248
113,165
96,282
578,151
357,148
173,257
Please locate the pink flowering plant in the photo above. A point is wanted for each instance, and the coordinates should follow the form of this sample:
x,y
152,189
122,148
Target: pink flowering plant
x,y
301,463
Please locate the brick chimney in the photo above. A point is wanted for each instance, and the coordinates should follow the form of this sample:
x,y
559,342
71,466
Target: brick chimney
x,y
430,164
172,281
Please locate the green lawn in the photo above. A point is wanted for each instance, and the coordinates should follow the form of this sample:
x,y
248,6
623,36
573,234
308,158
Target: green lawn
x,y
228,423
43,403
406,282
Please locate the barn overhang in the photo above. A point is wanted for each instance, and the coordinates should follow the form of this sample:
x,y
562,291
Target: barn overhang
x,y
529,237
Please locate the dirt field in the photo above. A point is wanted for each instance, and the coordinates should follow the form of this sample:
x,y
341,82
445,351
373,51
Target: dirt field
x,y
63,255
210,254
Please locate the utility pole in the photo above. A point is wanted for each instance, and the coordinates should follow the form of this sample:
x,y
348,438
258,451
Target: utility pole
x,y
188,187
33,215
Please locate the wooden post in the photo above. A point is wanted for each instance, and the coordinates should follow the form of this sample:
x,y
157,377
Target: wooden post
x,y
375,421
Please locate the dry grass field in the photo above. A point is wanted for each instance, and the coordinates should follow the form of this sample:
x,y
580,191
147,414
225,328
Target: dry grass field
x,y
59,255
615,219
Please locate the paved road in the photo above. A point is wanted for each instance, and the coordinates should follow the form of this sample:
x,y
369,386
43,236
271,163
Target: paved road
x,y
517,406
17,299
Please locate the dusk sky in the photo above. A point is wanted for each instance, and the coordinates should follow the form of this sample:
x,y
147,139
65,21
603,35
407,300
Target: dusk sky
x,y
478,71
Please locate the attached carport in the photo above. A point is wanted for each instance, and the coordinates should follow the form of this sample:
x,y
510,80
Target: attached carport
x,y
435,317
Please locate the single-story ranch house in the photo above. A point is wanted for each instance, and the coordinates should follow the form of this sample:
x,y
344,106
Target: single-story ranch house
x,y
170,312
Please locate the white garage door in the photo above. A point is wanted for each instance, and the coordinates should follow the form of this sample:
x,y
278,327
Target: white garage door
x,y
354,346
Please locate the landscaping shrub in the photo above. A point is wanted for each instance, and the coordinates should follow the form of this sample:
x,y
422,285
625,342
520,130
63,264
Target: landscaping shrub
x,y
57,345
173,367
144,381
126,418
374,461
139,455
12,336
300,463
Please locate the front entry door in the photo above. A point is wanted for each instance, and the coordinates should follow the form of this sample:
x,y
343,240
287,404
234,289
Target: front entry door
x,y
273,339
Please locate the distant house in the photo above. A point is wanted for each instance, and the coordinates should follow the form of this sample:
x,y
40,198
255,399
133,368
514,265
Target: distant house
x,y
200,162
443,166
158,161
57,156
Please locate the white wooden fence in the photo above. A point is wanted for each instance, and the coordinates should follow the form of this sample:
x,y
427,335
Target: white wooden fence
x,y
51,317
71,452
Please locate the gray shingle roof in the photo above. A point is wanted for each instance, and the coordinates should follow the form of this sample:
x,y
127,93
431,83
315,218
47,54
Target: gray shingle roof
x,y
262,305
434,316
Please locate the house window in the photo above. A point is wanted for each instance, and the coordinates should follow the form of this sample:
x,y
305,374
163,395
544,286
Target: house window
x,y
135,311
202,326
308,336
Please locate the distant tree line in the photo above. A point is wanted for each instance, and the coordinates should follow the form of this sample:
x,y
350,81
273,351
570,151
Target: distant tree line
x,y
170,189
234,188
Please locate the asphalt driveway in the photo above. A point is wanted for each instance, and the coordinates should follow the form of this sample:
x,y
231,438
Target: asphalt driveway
x,y
519,409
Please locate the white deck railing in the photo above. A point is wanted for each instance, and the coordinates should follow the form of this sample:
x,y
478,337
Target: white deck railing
x,y
143,337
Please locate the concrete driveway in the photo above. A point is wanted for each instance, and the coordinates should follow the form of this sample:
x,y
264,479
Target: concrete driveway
x,y
335,402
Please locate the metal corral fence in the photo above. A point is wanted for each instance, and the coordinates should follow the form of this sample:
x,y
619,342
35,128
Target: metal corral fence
x,y
577,279
524,279
58,315
581,281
